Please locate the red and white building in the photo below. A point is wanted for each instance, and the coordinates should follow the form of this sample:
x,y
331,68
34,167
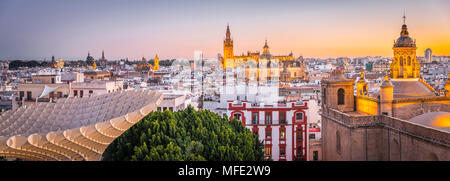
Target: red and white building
x,y
282,127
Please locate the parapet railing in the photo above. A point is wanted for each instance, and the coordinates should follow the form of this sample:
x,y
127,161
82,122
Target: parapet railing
x,y
417,130
422,132
350,120
421,99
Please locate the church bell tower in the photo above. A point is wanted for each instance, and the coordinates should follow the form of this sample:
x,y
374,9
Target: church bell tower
x,y
405,64
227,47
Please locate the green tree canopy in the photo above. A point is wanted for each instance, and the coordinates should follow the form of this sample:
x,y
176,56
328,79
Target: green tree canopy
x,y
186,135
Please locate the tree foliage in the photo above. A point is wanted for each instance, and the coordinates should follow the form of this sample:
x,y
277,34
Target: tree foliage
x,y
165,63
186,135
14,65
90,60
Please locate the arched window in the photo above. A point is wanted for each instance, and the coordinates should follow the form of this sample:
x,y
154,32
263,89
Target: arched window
x,y
341,96
237,116
409,61
401,61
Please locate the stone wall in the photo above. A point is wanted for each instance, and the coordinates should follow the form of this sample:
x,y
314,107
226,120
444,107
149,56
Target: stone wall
x,y
409,108
380,138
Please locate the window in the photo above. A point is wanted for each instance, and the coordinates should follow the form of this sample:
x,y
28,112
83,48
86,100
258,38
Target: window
x,y
341,96
53,80
299,151
91,92
409,60
81,93
59,94
29,97
312,136
22,94
268,150
268,133
75,93
282,117
268,117
282,134
237,116
315,155
283,151
171,109
299,116
254,117
299,134
159,108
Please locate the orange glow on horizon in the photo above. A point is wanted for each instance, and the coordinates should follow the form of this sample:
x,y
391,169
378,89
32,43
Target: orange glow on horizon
x,y
342,42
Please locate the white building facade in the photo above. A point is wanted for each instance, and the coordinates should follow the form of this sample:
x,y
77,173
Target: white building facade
x,y
94,87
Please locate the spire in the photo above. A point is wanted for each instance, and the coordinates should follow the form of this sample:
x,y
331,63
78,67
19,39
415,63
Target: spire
x,y
228,34
265,45
404,32
103,55
404,17
362,76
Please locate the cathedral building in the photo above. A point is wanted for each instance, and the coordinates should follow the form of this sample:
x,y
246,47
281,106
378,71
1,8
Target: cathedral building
x,y
405,64
53,64
59,64
103,60
264,66
406,119
146,66
156,64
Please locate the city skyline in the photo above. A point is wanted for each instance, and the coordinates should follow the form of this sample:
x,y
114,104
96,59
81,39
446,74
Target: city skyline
x,y
173,29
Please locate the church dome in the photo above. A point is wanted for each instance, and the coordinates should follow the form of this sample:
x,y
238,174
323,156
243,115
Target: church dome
x,y
404,40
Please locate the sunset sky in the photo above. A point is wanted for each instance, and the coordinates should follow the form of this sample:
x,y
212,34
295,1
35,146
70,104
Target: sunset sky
x,y
31,29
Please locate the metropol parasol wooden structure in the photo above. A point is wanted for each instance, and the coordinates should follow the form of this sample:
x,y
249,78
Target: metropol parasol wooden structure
x,y
72,129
